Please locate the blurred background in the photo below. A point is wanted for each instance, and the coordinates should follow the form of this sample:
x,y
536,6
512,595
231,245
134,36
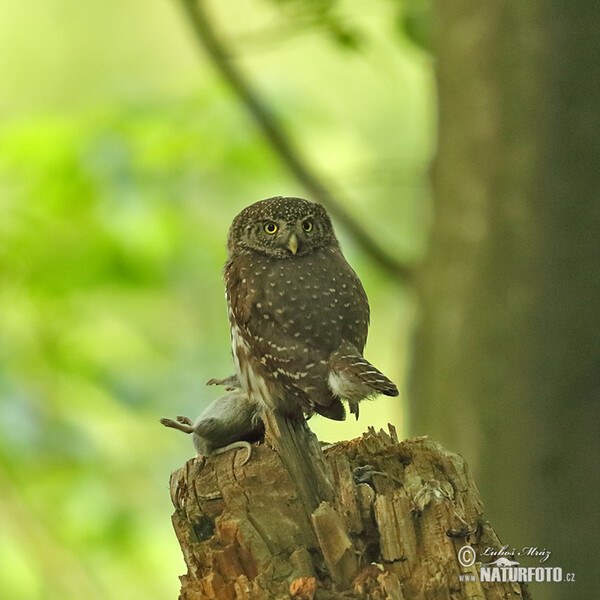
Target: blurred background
x,y
123,160
131,134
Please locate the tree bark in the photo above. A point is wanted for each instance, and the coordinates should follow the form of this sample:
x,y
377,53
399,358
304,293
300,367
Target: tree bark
x,y
387,522
507,356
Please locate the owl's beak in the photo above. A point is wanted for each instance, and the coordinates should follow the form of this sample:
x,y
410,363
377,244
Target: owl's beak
x,y
293,243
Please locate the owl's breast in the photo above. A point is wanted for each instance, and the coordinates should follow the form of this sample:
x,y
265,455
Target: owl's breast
x,y
288,317
315,299
312,302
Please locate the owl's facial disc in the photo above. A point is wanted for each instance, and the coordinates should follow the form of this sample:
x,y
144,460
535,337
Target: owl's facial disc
x,y
282,228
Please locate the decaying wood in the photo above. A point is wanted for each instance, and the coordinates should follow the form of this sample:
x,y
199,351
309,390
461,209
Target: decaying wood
x,y
380,519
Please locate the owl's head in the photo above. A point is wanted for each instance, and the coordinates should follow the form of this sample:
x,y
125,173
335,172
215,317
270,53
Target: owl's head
x,y
282,227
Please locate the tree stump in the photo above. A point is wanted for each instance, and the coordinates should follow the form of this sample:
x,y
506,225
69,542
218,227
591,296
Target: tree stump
x,y
371,518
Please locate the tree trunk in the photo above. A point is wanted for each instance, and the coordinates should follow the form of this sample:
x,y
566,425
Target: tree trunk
x,y
507,359
388,524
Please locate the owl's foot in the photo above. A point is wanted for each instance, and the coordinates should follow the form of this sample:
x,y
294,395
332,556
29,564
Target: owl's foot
x,y
241,445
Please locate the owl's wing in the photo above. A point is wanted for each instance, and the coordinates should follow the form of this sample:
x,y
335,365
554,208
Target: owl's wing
x,y
354,378
357,369
353,303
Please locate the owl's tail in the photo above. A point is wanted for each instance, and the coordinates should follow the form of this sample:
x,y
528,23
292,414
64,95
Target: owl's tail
x,y
354,378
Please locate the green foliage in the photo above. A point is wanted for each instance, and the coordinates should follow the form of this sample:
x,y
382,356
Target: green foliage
x,y
414,22
345,27
112,315
326,16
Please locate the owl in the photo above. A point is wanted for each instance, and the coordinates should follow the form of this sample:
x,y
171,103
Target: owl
x,y
299,315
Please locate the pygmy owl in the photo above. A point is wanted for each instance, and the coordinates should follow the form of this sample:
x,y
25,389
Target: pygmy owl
x,y
298,312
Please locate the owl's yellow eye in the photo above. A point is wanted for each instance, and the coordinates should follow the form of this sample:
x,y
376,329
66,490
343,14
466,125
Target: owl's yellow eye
x,y
307,226
270,228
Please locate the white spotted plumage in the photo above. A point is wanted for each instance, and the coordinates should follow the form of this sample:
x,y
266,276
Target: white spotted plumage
x,y
299,314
